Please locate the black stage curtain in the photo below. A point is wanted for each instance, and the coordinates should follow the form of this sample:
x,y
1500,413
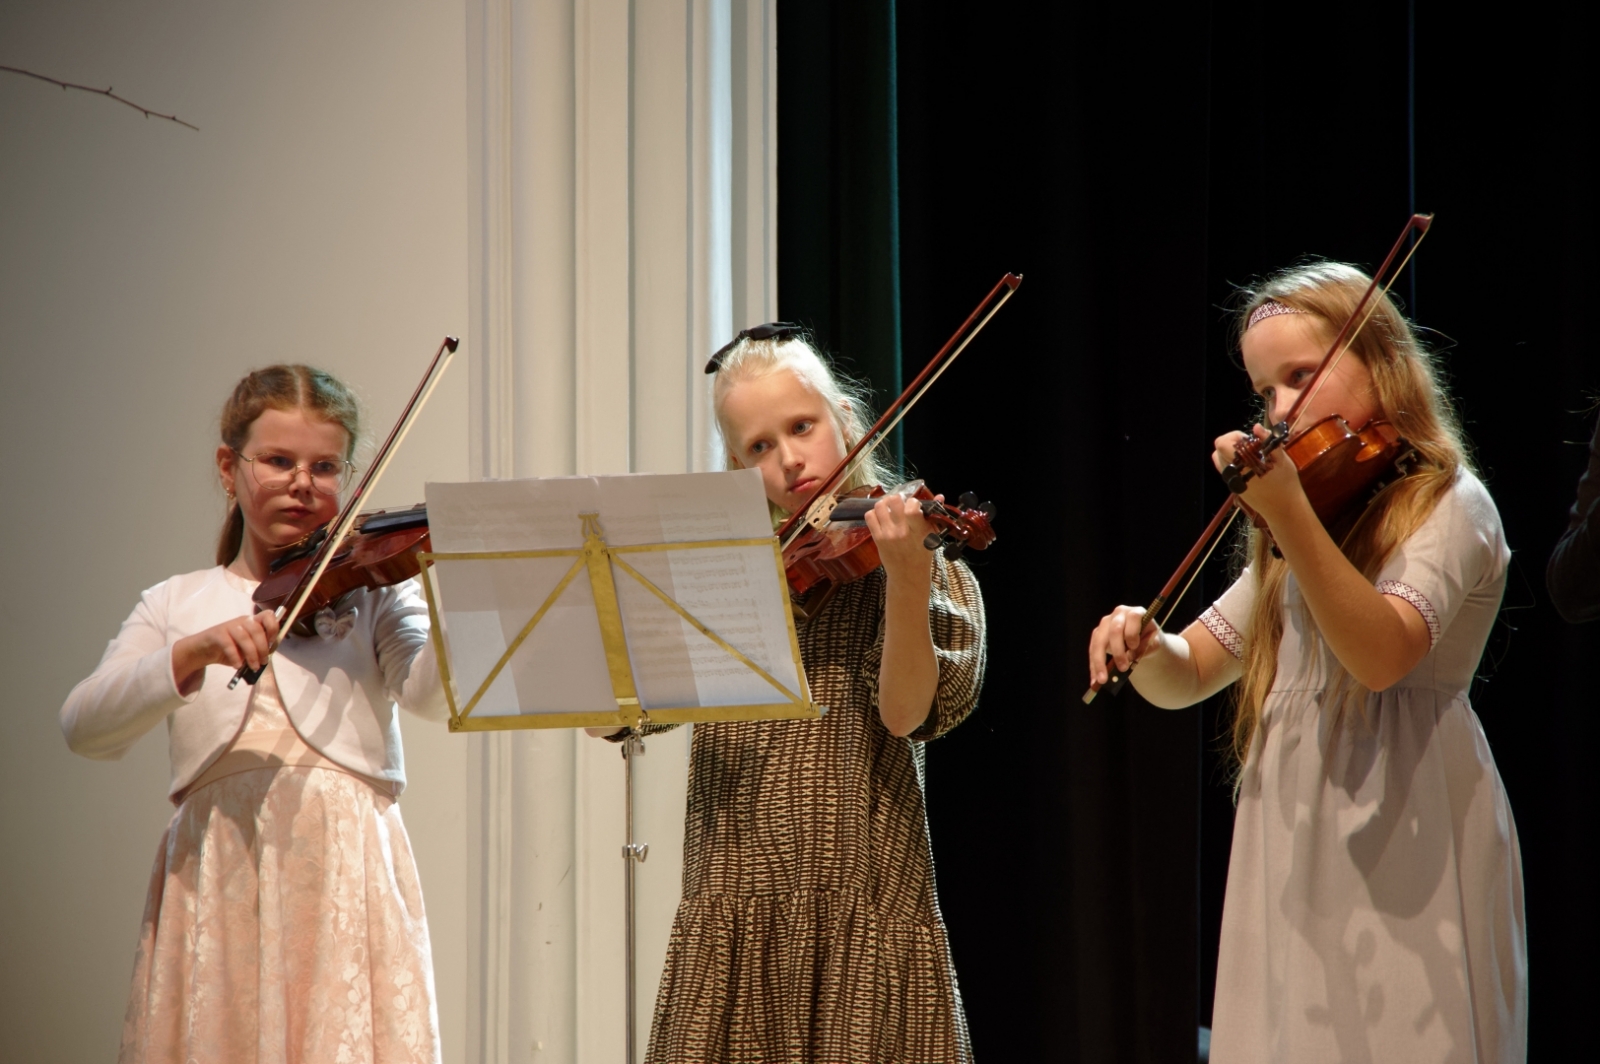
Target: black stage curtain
x,y
1134,164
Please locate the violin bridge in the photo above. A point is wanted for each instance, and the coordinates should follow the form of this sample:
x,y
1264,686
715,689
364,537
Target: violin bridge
x,y
821,511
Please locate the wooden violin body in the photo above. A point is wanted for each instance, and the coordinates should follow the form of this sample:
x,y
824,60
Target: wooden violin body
x,y
1342,469
380,550
838,552
842,548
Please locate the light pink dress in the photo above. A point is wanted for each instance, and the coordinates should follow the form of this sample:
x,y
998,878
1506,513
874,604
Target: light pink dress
x,y
1374,902
284,922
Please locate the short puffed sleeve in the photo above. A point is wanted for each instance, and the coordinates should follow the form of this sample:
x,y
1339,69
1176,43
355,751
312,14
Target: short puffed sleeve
x,y
1228,618
1458,550
956,622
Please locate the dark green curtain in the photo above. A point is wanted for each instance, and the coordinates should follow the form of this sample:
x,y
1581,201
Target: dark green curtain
x,y
838,184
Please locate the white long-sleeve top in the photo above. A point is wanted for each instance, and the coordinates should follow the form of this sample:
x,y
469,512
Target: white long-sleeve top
x,y
339,689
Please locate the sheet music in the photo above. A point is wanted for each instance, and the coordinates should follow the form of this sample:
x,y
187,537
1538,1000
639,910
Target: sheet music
x,y
736,592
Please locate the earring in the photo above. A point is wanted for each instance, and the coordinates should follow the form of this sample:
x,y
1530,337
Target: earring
x,y
230,497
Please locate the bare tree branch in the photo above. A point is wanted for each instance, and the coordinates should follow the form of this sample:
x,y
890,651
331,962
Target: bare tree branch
x,y
100,92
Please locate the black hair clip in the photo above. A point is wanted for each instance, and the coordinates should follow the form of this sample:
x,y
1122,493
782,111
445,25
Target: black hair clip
x,y
772,330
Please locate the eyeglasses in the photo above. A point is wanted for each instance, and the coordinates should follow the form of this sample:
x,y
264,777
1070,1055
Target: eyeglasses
x,y
772,330
273,472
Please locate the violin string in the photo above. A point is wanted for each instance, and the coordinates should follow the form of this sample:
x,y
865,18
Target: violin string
x,y
1370,309
905,409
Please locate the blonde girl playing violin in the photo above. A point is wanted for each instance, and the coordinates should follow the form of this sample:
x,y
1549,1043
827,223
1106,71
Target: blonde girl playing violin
x,y
809,929
1374,900
284,920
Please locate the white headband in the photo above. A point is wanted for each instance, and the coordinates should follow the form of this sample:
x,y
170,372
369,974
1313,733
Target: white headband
x,y
1270,309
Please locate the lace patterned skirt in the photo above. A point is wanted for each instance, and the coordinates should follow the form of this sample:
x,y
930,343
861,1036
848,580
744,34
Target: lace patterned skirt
x,y
284,923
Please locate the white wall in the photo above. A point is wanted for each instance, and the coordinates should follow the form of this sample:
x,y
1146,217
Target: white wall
x,y
320,216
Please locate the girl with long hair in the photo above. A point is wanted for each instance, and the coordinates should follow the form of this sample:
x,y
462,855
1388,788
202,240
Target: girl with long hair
x,y
809,929
284,920
1374,900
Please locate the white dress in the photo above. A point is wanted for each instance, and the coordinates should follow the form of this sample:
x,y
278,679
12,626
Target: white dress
x,y
284,922
1374,903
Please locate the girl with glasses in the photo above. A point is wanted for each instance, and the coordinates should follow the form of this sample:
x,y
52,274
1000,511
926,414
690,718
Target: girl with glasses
x,y
809,928
284,917
1374,900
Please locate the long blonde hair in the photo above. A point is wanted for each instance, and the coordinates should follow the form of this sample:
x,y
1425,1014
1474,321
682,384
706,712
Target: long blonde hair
x,y
1406,381
848,400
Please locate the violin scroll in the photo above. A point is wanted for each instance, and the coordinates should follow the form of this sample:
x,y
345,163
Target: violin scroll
x,y
968,524
1250,458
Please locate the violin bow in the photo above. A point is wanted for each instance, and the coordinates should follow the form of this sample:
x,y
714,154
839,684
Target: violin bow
x,y
821,502
290,611
1248,459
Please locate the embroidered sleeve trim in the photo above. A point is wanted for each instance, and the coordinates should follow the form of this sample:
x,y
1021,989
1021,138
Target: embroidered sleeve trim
x,y
1225,633
1417,599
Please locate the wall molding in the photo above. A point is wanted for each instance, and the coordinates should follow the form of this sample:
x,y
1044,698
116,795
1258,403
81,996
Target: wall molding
x,y
622,221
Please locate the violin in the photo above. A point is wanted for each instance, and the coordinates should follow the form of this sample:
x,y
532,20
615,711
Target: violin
x,y
826,542
1342,470
842,549
290,596
380,550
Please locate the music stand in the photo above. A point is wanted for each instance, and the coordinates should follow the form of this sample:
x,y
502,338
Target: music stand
x,y
647,658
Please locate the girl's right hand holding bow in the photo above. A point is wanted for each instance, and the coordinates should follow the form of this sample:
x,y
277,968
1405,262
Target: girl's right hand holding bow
x,y
1174,670
242,641
1118,637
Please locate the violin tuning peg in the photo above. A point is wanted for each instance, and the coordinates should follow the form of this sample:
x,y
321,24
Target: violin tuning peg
x,y
1237,477
952,549
968,501
987,510
933,541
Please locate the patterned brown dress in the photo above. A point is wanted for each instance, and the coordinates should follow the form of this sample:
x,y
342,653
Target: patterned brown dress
x,y
809,929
